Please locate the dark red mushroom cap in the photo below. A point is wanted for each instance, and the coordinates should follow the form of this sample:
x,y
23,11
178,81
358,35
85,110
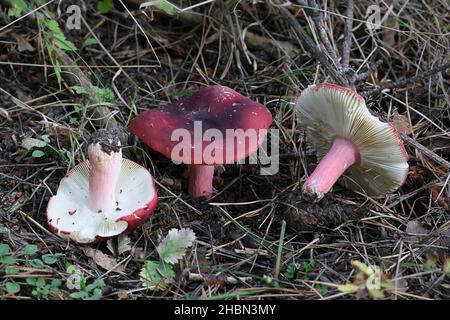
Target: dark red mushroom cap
x,y
214,107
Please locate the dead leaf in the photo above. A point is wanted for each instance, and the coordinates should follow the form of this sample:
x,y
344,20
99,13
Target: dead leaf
x,y
22,43
122,294
103,260
401,123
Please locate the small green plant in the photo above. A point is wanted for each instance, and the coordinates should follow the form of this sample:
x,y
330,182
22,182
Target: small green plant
x,y
103,94
371,279
155,275
29,256
5,255
105,6
43,289
36,145
17,7
292,269
77,281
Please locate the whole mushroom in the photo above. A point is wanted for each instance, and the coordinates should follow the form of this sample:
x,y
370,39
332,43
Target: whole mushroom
x,y
216,125
104,196
350,141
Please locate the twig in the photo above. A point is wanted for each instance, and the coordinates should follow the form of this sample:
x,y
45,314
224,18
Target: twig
x,y
348,33
197,277
430,154
404,82
370,70
317,17
312,48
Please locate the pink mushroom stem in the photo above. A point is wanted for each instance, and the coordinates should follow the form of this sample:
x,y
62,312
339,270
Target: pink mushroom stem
x,y
200,180
103,177
342,155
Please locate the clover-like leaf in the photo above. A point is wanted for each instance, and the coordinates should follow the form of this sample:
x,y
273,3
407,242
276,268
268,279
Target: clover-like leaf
x,y
173,246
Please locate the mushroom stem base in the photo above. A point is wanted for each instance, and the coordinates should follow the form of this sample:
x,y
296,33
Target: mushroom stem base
x,y
342,155
200,180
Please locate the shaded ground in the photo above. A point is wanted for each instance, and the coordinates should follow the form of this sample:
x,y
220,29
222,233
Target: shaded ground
x,y
406,233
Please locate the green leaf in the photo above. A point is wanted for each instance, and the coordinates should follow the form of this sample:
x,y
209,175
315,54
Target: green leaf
x,y
173,246
307,266
104,94
348,288
11,271
97,295
79,295
17,7
40,282
167,7
49,258
38,154
8,260
4,249
79,90
30,249
36,263
31,281
56,283
291,269
53,26
12,287
63,43
105,6
89,42
155,275
161,5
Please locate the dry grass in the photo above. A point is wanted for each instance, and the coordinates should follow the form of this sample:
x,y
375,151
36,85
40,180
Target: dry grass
x,y
149,60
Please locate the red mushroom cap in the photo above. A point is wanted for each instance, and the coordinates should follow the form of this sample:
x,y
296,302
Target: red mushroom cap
x,y
214,107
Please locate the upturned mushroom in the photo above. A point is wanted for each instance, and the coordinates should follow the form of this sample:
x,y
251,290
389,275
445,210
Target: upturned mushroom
x,y
214,126
102,197
349,140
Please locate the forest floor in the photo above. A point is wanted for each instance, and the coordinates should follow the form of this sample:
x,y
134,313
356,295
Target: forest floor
x,y
135,59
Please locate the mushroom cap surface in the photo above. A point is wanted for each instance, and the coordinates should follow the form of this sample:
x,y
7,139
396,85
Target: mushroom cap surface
x,y
69,215
218,109
328,111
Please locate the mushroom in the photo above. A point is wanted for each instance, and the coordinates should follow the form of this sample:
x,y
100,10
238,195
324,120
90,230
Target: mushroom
x,y
216,125
348,139
102,197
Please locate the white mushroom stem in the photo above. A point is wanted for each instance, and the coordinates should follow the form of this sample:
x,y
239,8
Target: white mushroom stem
x,y
342,155
103,176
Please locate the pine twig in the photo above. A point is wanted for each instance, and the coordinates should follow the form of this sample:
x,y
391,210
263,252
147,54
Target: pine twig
x,y
370,70
404,82
430,154
311,46
348,34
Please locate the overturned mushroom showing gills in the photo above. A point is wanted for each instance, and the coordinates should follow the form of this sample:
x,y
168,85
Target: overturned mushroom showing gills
x,y
216,125
348,139
102,197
